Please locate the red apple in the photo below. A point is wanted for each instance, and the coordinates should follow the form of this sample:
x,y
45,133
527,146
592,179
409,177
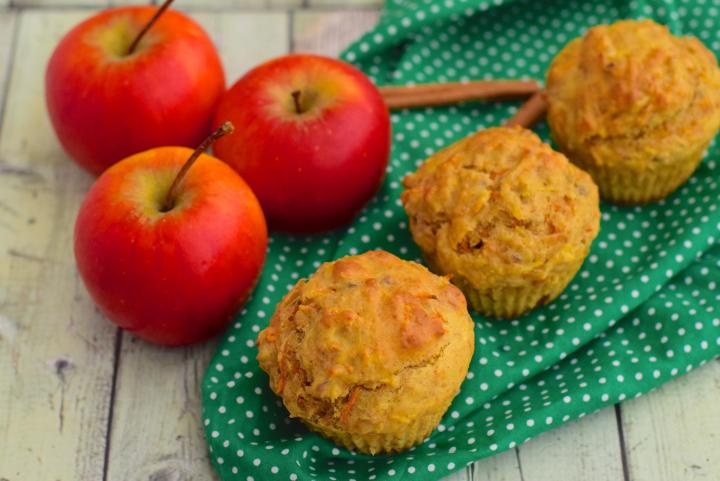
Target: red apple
x,y
107,102
171,272
313,137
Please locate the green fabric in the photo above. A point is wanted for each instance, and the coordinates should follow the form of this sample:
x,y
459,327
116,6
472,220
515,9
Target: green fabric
x,y
641,311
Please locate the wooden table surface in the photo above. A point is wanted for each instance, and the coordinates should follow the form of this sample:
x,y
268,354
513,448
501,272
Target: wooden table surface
x,y
82,401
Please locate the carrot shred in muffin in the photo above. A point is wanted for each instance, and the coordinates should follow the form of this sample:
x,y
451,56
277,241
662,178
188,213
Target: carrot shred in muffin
x,y
369,351
507,216
635,106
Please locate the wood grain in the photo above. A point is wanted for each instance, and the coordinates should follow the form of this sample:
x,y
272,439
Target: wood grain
x,y
74,3
159,388
503,467
329,32
156,431
586,449
674,433
460,475
240,4
246,39
345,3
56,351
7,42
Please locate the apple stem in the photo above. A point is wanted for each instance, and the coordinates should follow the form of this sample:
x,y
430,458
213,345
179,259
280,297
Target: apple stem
x,y
160,11
225,128
296,98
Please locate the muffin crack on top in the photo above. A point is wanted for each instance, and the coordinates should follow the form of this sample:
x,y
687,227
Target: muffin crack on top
x,y
369,351
341,407
644,131
635,106
508,218
299,333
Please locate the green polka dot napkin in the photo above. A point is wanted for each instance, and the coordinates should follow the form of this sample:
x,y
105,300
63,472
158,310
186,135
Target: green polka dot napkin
x,y
641,311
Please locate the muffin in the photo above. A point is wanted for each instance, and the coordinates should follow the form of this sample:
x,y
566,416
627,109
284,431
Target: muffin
x,y
635,107
507,217
369,351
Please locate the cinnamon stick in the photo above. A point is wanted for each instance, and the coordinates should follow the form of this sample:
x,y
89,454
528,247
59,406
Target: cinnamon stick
x,y
428,95
530,112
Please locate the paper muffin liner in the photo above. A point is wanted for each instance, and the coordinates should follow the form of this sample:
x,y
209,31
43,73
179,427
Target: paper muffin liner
x,y
624,186
380,443
506,302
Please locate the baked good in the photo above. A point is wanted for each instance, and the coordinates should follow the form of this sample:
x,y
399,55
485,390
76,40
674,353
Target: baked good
x,y
635,107
507,217
369,351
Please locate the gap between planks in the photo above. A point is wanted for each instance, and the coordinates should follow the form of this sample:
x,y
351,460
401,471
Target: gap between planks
x,y
55,364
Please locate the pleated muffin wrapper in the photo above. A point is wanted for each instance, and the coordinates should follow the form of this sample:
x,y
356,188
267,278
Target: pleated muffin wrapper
x,y
413,434
507,302
623,186
510,302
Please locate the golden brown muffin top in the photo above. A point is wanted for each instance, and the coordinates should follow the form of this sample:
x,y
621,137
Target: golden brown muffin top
x,y
358,326
501,207
633,93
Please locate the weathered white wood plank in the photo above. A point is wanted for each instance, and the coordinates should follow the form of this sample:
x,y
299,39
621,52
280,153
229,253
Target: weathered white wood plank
x,y
461,475
586,449
56,352
674,433
246,39
7,34
239,4
159,388
75,3
156,432
345,3
329,32
115,3
56,3
503,467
